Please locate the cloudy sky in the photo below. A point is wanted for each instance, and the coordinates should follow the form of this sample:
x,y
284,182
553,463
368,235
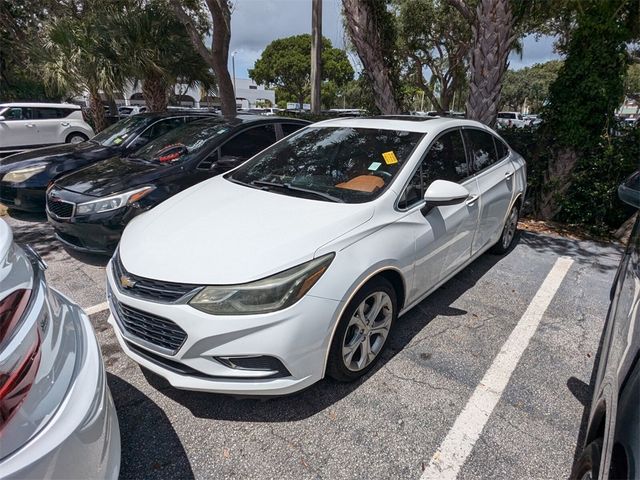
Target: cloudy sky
x,y
255,23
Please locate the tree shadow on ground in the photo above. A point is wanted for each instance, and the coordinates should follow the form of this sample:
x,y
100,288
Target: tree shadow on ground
x,y
581,251
150,446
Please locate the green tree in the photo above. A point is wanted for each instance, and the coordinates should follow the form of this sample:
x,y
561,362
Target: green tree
x,y
632,81
158,52
529,85
583,99
286,64
78,56
217,56
435,39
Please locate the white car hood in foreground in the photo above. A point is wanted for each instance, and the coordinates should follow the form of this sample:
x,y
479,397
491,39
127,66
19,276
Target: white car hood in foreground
x,y
219,232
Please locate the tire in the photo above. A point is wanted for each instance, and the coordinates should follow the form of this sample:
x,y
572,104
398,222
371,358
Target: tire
x,y
355,337
509,232
76,137
588,466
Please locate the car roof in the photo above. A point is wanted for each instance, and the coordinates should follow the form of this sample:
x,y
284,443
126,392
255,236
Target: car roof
x,y
40,105
409,123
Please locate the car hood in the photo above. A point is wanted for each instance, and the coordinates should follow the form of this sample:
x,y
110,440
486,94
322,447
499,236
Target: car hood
x,y
218,232
112,176
56,153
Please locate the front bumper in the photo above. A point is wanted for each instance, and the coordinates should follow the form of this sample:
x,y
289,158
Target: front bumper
x,y
29,199
298,337
82,437
98,233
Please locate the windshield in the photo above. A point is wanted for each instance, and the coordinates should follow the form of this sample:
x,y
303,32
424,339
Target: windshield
x,y
190,139
351,165
120,131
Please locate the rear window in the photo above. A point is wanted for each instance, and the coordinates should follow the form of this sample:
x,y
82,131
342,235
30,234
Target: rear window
x,y
481,149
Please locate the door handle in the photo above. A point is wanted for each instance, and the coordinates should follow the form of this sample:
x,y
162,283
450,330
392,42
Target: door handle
x,y
30,125
508,175
471,200
65,124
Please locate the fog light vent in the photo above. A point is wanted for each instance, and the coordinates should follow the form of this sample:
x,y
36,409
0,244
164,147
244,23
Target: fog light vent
x,y
260,363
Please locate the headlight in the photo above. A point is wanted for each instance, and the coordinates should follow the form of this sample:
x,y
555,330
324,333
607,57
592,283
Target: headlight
x,y
113,202
267,295
22,174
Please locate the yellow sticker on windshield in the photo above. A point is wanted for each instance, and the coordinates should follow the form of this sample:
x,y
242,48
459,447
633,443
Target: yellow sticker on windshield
x,y
390,158
117,140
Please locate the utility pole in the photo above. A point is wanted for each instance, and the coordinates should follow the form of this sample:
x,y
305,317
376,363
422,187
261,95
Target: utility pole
x,y
316,55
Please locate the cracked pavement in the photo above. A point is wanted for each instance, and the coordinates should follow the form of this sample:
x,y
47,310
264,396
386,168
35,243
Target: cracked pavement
x,y
389,424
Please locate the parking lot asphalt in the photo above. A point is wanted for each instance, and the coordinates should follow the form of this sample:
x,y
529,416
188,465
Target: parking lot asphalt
x,y
391,423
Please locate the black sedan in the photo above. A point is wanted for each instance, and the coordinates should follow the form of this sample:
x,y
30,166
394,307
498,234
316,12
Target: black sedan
x,y
90,208
612,445
24,177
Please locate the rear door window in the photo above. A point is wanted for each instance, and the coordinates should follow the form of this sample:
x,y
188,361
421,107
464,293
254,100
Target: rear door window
x,y
246,144
480,147
501,149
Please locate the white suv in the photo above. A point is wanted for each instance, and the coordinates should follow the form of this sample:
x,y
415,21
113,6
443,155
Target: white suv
x,y
29,125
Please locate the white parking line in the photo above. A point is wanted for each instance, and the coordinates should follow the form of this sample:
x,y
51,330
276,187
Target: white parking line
x,y
96,308
457,445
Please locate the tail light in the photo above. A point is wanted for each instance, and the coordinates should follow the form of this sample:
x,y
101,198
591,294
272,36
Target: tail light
x,y
16,382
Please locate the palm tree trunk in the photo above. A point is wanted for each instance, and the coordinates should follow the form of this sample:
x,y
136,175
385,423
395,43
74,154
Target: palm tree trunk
x,y
493,39
96,110
365,36
155,91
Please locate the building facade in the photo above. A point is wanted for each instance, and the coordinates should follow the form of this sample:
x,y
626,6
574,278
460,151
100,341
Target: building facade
x,y
248,95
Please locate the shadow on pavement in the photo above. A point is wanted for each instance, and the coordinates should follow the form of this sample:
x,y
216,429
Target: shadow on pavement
x,y
150,446
36,232
580,251
325,393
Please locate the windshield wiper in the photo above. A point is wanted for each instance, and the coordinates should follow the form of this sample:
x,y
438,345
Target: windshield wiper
x,y
288,186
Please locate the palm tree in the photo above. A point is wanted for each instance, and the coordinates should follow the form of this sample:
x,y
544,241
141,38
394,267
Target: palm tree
x,y
77,57
158,53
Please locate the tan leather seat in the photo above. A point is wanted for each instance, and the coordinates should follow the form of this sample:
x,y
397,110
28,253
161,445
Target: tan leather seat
x,y
363,183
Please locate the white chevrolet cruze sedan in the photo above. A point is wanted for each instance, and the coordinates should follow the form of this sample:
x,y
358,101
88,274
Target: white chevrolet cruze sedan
x,y
296,264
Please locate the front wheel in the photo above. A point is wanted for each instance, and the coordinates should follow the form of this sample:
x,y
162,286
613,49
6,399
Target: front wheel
x,y
508,232
76,138
363,331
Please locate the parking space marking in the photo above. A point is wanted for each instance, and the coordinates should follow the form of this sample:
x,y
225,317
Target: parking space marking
x,y
96,308
457,445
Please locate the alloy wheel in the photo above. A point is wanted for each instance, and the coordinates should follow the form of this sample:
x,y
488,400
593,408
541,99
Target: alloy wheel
x,y
510,228
367,331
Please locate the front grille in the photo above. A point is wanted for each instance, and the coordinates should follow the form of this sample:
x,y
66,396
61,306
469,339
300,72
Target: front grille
x,y
60,208
147,288
151,328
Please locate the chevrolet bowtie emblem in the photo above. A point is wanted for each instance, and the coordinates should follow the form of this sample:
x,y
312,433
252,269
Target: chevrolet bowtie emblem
x,y
126,281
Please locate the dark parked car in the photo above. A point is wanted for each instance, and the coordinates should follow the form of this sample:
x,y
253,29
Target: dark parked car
x,y
90,208
24,177
612,442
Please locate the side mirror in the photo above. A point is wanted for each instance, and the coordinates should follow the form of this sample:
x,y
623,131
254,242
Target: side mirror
x,y
442,193
2,119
